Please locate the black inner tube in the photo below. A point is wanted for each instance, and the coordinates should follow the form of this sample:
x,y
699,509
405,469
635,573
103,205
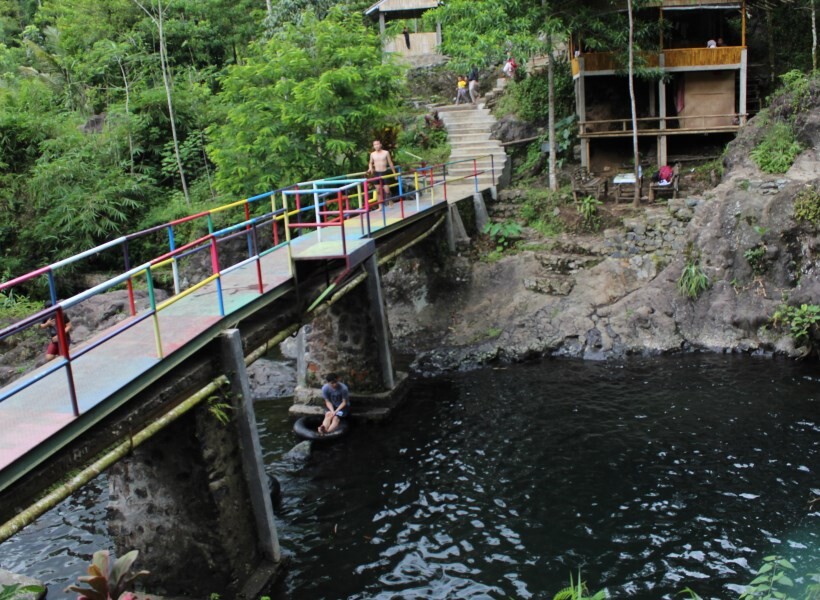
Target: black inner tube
x,y
305,428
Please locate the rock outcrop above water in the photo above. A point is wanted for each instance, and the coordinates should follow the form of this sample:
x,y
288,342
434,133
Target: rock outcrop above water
x,y
609,297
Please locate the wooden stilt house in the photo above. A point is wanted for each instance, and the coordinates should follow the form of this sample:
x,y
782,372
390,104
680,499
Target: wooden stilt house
x,y
702,57
418,42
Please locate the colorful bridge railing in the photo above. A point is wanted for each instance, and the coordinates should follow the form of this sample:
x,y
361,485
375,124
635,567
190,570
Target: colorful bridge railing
x,y
286,213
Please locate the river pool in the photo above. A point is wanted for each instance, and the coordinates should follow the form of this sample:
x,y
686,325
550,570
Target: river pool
x,y
647,475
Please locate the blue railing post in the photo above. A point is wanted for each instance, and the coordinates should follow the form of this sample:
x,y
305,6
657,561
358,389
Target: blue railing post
x,y
52,288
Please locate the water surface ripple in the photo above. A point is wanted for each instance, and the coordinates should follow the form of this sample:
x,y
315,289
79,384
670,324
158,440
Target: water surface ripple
x,y
649,476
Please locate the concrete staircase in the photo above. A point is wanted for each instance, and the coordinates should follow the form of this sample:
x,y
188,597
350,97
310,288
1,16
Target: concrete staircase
x,y
469,129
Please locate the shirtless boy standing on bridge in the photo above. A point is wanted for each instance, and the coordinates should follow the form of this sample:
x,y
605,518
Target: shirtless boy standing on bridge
x,y
379,161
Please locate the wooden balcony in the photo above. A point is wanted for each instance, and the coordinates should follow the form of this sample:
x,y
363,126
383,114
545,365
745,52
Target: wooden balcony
x,y
702,57
656,126
674,58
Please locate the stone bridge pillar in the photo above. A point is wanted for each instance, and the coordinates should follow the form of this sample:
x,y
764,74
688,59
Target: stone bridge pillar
x,y
351,338
194,499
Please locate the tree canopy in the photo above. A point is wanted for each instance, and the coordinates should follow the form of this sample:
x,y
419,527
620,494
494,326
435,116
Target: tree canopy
x,y
306,103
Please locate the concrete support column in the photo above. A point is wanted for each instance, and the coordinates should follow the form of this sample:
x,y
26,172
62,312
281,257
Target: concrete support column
x,y
381,24
350,338
233,365
743,83
438,34
194,494
481,216
456,231
381,327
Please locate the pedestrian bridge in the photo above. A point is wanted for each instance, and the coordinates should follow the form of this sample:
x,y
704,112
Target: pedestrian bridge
x,y
224,265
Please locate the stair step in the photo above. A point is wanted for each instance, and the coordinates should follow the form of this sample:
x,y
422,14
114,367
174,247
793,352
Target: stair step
x,y
476,150
478,120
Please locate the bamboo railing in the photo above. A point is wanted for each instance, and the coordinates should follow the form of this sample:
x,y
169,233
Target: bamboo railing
x,y
673,58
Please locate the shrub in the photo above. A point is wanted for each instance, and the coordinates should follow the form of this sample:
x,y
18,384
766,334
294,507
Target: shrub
x,y
777,151
801,322
588,211
756,257
503,233
540,211
106,581
807,206
693,279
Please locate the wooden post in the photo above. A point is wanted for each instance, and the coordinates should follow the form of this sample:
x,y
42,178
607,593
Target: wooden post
x,y
662,139
581,110
743,23
743,83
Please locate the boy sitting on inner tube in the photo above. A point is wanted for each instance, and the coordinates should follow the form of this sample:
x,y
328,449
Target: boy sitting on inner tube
x,y
337,401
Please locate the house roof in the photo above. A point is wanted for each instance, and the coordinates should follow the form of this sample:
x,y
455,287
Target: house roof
x,y
401,5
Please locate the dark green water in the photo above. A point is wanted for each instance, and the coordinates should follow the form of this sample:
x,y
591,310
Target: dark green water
x,y
649,476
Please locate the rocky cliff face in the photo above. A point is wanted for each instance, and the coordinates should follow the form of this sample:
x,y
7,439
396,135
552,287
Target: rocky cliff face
x,y
461,314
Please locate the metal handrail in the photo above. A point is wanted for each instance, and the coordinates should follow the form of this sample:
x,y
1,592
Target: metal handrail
x,y
336,191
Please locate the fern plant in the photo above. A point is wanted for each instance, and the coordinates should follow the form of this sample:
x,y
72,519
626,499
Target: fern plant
x,y
693,279
777,151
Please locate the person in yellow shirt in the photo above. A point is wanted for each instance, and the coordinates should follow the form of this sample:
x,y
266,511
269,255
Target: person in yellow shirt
x,y
461,92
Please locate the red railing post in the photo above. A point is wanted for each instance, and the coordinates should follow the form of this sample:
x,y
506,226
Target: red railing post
x,y
62,342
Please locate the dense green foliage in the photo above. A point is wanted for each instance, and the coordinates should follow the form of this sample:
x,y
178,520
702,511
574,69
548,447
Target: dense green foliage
x,y
112,118
306,103
778,149
87,150
541,211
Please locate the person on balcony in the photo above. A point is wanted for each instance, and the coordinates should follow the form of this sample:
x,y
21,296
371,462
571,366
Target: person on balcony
x,y
711,44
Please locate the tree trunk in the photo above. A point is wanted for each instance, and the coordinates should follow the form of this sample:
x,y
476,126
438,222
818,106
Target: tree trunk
x,y
636,156
813,37
770,41
166,80
551,101
269,5
127,113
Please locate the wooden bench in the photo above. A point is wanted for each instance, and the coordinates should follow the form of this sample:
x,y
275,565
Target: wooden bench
x,y
656,188
585,184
